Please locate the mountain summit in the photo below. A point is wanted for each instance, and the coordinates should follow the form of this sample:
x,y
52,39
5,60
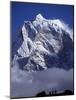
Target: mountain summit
x,y
44,44
39,16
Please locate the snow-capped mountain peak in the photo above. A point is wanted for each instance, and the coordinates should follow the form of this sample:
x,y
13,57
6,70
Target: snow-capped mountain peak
x,y
46,43
39,17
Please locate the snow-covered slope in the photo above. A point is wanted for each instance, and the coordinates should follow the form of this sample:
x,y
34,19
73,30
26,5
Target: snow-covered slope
x,y
45,44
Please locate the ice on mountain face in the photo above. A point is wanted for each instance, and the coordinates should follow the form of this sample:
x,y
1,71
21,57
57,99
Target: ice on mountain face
x,y
57,22
59,26
39,46
40,22
39,17
45,42
56,45
24,33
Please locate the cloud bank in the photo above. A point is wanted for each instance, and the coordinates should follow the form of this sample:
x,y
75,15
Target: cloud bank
x,y
27,84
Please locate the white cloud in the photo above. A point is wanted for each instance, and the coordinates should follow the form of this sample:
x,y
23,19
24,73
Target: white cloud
x,y
25,84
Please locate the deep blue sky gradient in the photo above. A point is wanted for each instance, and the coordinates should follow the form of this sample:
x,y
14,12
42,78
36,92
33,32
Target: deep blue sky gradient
x,y
21,11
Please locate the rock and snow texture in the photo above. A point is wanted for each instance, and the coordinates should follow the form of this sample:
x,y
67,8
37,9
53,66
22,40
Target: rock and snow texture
x,y
46,43
44,58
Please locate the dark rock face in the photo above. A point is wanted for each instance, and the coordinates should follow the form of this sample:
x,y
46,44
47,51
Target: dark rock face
x,y
51,61
22,62
16,44
66,54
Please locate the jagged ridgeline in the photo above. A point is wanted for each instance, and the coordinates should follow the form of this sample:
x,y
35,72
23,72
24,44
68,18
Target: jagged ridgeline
x,y
44,43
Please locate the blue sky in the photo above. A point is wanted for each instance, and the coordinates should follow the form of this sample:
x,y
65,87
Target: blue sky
x,y
21,11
